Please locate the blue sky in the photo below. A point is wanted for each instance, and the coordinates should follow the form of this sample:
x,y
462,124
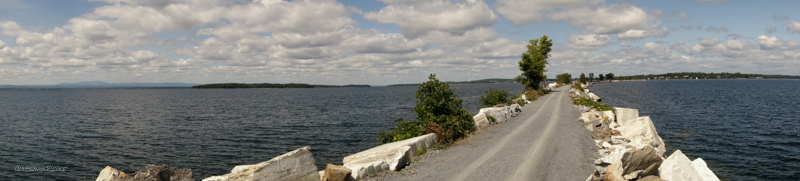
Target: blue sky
x,y
387,41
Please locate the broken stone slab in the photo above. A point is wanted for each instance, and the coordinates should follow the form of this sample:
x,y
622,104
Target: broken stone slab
x,y
677,167
613,156
594,97
641,162
643,131
391,156
626,115
336,173
481,121
502,114
614,172
294,165
703,171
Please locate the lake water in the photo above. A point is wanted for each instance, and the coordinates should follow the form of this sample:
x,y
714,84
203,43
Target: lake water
x,y
743,129
76,133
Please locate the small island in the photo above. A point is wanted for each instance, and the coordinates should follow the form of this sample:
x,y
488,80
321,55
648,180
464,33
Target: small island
x,y
702,75
267,85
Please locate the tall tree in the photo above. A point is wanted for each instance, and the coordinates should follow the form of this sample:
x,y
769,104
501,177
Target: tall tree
x,y
564,78
610,76
591,77
600,78
582,78
533,62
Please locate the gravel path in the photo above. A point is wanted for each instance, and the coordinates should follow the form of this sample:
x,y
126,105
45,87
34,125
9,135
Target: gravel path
x,y
545,142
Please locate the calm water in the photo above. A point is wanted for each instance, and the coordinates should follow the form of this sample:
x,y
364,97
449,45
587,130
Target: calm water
x,y
743,129
209,131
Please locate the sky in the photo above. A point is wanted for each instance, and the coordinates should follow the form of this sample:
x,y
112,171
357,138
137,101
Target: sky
x,y
386,41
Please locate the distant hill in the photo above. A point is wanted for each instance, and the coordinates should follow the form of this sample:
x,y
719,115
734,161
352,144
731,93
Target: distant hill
x,y
703,75
267,85
482,81
99,85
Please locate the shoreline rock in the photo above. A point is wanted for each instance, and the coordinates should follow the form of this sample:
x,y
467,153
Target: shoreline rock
x,y
631,149
294,165
150,173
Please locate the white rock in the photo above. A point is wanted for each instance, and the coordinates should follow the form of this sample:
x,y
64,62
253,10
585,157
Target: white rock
x,y
677,167
613,156
626,115
294,165
643,131
609,115
480,120
703,171
502,114
391,156
110,174
594,97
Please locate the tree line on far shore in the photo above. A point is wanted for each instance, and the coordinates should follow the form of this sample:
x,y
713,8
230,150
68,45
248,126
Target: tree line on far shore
x,y
266,85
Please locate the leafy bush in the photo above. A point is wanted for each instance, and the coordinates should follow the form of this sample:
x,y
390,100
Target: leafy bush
x,y
518,100
494,97
582,78
532,95
582,101
564,78
438,111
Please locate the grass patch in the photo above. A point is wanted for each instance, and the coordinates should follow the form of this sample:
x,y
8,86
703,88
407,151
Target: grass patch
x,y
582,101
492,119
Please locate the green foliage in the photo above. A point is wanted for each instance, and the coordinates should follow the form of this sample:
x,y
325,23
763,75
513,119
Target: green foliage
x,y
591,77
564,78
610,76
600,78
266,85
491,118
421,151
582,78
532,95
518,100
533,62
438,111
589,103
494,97
577,86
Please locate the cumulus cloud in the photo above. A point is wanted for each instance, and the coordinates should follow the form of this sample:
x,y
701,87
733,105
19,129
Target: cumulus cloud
x,y
606,19
624,44
416,18
793,26
708,41
588,42
768,43
522,12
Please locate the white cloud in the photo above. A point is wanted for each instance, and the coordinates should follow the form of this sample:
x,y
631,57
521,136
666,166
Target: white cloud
x,y
735,45
709,41
420,17
2,44
793,26
606,19
768,43
624,44
588,42
681,15
522,12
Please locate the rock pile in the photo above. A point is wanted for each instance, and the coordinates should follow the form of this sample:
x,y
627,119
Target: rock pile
x,y
500,113
149,173
630,148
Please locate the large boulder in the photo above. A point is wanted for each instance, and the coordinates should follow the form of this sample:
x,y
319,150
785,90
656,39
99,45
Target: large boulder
x,y
294,165
502,114
149,173
677,167
391,156
336,173
626,115
614,172
111,174
641,162
703,171
481,120
594,97
642,131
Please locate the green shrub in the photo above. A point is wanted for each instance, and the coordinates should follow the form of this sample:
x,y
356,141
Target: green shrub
x,y
518,100
494,97
582,101
491,118
421,151
438,111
